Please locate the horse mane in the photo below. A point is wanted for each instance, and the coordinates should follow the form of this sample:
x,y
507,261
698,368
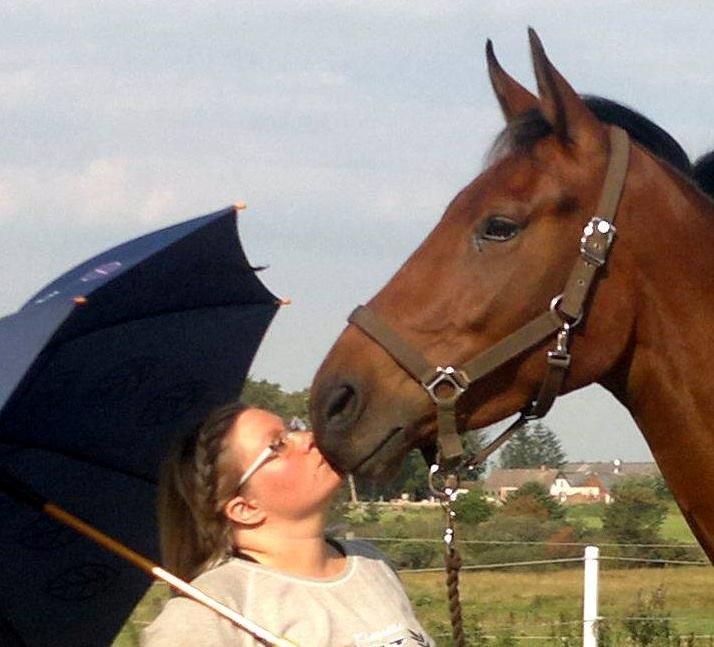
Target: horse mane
x,y
703,173
522,134
645,132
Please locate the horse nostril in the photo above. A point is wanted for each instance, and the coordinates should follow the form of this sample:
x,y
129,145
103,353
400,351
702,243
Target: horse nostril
x,y
342,404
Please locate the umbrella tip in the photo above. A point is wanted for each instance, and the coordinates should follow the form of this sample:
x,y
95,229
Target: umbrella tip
x,y
80,301
284,302
240,206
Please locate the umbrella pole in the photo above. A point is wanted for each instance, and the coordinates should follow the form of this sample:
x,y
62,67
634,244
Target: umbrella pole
x,y
22,493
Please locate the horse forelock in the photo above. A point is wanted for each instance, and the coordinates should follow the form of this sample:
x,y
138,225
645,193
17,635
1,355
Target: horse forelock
x,y
520,136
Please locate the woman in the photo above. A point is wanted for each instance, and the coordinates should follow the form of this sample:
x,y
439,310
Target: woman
x,y
242,511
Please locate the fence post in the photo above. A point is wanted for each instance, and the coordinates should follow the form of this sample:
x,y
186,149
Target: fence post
x,y
590,594
353,489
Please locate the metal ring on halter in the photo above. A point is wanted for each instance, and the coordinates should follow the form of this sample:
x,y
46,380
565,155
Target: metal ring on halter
x,y
450,376
433,469
451,483
554,303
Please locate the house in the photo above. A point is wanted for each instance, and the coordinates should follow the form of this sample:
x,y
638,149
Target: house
x,y
572,483
603,476
586,487
502,482
616,467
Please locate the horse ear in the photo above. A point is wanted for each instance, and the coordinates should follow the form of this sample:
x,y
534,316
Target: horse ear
x,y
513,97
567,113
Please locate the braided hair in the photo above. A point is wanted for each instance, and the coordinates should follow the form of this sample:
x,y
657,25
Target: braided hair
x,y
194,485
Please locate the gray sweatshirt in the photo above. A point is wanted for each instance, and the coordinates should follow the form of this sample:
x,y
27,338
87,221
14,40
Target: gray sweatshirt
x,y
365,606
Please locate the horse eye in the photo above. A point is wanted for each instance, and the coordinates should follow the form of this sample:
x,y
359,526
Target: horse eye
x,y
498,228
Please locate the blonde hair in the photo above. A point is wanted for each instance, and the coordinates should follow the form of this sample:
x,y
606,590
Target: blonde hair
x,y
193,488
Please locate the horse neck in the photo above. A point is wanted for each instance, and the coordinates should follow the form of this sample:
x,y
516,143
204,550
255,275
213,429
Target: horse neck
x,y
667,388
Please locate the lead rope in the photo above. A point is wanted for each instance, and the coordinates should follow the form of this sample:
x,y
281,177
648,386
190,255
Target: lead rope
x,y
452,558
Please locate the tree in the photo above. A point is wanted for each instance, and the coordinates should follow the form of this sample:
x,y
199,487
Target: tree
x,y
637,511
472,507
534,500
474,440
412,479
270,396
531,447
662,489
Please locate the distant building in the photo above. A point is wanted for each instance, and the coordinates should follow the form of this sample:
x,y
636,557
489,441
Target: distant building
x,y
613,467
502,482
572,483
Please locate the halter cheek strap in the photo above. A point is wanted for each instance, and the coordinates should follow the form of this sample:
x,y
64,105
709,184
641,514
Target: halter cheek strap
x,y
446,385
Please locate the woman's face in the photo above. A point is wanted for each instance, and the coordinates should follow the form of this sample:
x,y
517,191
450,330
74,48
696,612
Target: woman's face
x,y
295,483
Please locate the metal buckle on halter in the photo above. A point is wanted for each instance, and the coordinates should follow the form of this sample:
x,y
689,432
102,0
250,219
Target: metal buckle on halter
x,y
559,356
596,240
455,378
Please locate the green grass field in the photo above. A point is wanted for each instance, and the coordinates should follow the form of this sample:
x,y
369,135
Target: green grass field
x,y
536,603
590,515
674,528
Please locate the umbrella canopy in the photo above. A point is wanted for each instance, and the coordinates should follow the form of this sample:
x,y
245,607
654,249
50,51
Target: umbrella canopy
x,y
101,370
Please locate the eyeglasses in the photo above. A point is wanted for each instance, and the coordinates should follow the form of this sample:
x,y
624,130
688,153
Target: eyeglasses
x,y
273,450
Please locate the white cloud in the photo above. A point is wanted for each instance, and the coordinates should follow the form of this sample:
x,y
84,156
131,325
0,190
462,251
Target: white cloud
x,y
106,190
102,187
158,205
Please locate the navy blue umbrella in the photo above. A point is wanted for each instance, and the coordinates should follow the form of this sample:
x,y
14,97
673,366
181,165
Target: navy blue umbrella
x,y
100,372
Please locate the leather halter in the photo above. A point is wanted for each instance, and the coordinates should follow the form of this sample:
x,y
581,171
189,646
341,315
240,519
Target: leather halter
x,y
445,385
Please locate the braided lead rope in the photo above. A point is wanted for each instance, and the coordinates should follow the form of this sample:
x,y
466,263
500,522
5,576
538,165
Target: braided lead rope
x,y
452,560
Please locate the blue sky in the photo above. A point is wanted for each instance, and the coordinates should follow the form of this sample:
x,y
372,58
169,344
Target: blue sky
x,y
346,126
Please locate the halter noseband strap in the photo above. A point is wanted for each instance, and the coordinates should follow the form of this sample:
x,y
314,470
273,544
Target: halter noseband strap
x,y
445,385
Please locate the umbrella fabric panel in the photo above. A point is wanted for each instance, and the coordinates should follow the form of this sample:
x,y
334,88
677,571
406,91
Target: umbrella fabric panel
x,y
118,396
22,337
59,588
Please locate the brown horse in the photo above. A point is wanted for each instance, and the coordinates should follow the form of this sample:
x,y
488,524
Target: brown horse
x,y
500,253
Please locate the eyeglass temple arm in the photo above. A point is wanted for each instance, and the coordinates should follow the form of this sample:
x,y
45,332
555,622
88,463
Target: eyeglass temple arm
x,y
255,465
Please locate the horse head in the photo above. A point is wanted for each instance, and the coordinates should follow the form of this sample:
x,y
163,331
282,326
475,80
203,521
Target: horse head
x,y
502,251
